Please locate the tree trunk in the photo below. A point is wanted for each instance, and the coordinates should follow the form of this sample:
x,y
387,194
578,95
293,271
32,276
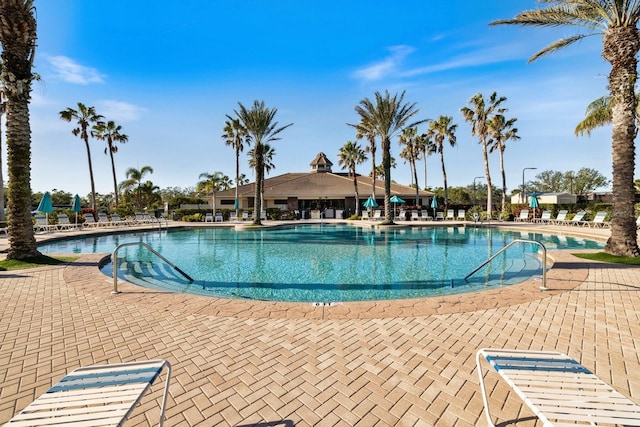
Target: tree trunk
x,y
488,177
355,187
504,181
386,164
2,218
621,45
373,167
444,178
257,204
93,184
113,171
415,177
236,201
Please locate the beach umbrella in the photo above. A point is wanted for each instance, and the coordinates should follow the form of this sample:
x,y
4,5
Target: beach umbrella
x,y
434,205
45,205
395,199
533,203
75,207
370,203
236,204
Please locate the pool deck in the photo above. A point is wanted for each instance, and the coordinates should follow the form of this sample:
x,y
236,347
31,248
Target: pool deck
x,y
242,363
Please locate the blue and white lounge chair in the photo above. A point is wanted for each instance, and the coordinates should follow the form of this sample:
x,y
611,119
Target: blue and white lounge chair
x,y
98,395
559,390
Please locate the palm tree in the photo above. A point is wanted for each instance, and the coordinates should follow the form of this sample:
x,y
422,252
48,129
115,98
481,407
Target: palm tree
x,y
384,119
365,131
110,132
617,21
261,129
134,180
501,131
235,136
409,138
18,39
212,182
350,155
85,117
441,129
479,116
427,147
268,153
599,114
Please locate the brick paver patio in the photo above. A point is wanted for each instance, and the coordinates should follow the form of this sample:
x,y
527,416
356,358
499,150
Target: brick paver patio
x,y
237,363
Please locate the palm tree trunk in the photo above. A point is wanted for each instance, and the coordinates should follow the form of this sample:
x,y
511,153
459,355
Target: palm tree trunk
x,y
504,181
257,204
113,172
236,201
372,141
93,185
415,177
444,178
355,187
488,177
621,45
425,169
386,164
2,218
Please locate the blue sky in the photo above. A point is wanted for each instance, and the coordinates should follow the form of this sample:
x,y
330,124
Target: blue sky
x,y
168,72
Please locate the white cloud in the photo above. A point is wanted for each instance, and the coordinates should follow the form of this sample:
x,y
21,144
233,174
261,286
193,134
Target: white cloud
x,y
385,67
118,110
66,69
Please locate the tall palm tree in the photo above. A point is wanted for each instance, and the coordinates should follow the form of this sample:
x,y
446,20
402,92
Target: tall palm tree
x,y
212,182
18,39
85,118
110,132
479,116
236,136
440,130
501,131
617,22
261,128
427,147
134,181
350,155
409,139
268,153
385,118
366,131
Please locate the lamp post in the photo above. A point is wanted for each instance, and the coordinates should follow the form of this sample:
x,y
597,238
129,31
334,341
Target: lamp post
x,y
522,197
475,200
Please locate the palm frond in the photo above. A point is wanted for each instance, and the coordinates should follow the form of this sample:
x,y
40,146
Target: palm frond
x,y
558,44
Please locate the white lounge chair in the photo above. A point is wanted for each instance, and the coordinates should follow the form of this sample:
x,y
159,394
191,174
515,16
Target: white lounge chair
x,y
89,221
461,215
524,216
219,217
424,215
439,216
98,395
116,220
545,217
561,218
245,215
451,214
414,215
559,390
43,225
233,216
377,215
577,220
208,217
598,221
64,223
103,220
402,215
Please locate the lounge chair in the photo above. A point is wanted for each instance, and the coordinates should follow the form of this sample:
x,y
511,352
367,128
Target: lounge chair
x,y
451,214
524,216
402,215
414,215
89,221
598,221
103,220
233,216
439,216
561,218
245,215
97,395
559,390
43,225
263,214
377,215
64,223
461,215
545,217
116,220
577,220
208,217
219,217
424,215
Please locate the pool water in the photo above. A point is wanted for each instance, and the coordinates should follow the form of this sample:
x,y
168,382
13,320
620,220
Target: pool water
x,y
324,263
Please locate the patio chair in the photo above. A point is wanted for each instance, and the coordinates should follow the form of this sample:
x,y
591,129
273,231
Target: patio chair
x,y
524,216
245,215
545,217
461,215
559,390
64,223
89,221
424,215
97,395
598,221
451,214
43,225
577,220
401,215
377,215
208,217
233,216
414,215
561,218
439,216
116,220
103,220
219,217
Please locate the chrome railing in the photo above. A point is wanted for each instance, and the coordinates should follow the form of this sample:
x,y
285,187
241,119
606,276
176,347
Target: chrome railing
x,y
544,260
114,262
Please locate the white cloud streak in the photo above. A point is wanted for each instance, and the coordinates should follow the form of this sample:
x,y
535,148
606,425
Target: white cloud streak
x,y
387,66
119,111
67,70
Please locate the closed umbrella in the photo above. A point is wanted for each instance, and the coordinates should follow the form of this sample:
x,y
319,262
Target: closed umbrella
x,y
45,205
395,199
434,205
533,203
76,207
370,203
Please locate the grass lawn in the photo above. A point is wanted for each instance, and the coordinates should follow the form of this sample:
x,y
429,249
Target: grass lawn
x,y
605,257
39,261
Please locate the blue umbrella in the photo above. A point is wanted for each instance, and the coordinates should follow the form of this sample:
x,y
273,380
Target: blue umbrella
x,y
533,203
76,207
236,204
434,205
45,205
370,203
395,199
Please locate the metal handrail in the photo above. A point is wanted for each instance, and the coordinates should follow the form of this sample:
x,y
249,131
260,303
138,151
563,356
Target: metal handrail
x,y
507,246
114,258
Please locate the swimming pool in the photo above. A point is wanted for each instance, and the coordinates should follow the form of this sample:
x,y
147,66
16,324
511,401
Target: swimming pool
x,y
323,263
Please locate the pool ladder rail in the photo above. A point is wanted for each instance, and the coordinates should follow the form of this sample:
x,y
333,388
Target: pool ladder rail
x,y
507,246
114,262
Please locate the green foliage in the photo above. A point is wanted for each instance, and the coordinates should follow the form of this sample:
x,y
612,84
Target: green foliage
x,y
196,217
38,261
605,257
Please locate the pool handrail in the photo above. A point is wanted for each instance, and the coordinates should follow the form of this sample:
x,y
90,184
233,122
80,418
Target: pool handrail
x,y
507,246
114,258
